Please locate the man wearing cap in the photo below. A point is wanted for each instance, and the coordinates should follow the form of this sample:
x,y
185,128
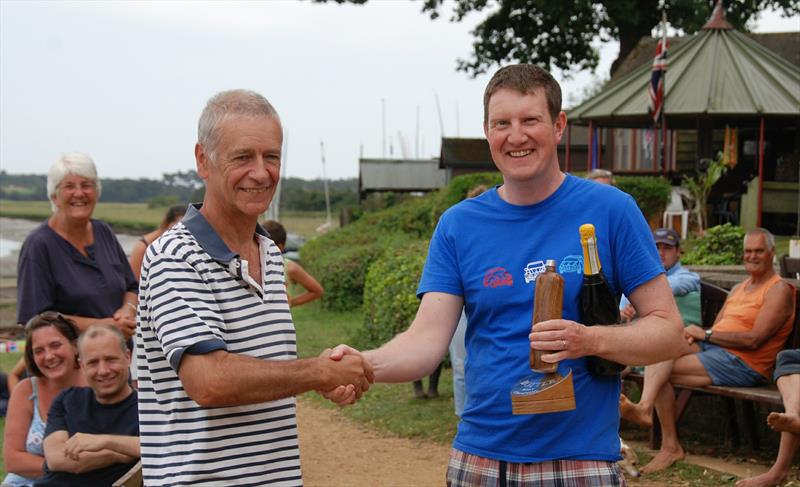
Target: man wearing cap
x,y
685,284
739,350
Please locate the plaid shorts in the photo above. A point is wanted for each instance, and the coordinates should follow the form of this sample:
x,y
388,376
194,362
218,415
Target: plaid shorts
x,y
467,470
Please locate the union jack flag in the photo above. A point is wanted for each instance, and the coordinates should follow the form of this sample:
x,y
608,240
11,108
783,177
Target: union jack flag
x,y
656,86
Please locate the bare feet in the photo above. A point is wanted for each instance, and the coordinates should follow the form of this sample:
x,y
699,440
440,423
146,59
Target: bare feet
x,y
784,422
663,459
634,412
768,479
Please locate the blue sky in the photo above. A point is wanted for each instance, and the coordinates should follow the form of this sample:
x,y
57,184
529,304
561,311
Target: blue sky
x,y
126,81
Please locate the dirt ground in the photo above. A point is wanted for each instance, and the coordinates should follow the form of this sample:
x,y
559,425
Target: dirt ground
x,y
337,452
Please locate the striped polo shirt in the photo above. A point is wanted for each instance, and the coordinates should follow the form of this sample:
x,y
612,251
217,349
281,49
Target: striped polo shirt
x,y
196,297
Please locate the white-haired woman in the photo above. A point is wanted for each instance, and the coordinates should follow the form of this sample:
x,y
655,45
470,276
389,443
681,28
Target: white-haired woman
x,y
73,263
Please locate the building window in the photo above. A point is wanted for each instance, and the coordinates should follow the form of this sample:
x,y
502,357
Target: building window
x,y
634,149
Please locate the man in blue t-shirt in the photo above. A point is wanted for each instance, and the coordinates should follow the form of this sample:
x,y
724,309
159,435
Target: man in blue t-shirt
x,y
92,435
485,255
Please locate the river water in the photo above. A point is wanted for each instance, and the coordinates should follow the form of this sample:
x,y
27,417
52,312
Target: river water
x,y
13,232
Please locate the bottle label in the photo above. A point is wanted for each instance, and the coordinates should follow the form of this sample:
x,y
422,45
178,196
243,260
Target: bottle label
x,y
594,260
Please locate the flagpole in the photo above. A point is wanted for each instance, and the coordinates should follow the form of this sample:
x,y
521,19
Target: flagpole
x,y
664,97
657,94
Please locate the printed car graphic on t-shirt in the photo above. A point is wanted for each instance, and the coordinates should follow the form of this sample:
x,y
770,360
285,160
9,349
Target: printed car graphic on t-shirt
x,y
571,263
496,277
533,269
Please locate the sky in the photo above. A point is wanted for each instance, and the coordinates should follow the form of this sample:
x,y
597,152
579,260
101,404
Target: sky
x,y
126,81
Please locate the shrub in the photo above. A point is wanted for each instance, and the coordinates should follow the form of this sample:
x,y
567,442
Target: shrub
x,y
340,261
459,187
651,193
414,216
390,301
721,245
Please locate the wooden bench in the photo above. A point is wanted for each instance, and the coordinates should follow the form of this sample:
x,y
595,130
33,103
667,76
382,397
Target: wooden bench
x,y
790,266
132,478
712,299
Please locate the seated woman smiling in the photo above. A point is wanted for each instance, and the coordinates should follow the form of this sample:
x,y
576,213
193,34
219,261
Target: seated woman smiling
x,y
51,357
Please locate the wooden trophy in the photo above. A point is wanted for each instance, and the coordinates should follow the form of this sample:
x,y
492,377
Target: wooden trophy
x,y
545,391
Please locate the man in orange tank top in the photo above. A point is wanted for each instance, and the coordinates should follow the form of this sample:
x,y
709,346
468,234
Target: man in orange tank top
x,y
738,350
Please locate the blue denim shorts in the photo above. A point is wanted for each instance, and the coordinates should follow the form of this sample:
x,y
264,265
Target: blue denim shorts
x,y
726,369
788,363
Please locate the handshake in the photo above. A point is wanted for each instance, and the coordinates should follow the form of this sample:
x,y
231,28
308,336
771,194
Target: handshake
x,y
345,375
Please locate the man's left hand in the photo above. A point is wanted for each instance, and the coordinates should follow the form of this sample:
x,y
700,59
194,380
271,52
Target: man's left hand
x,y
82,442
563,338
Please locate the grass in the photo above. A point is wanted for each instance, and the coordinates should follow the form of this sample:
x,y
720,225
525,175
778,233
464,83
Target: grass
x,y
390,408
683,473
129,217
137,218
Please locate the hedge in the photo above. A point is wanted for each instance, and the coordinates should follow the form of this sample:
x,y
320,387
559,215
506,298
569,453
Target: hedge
x,y
459,187
651,193
340,261
390,301
720,245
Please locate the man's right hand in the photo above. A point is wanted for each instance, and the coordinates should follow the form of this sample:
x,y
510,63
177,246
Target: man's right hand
x,y
627,313
125,324
345,377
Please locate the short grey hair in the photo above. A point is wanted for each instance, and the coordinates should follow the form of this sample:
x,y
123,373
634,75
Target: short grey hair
x,y
600,173
102,329
768,237
227,104
76,163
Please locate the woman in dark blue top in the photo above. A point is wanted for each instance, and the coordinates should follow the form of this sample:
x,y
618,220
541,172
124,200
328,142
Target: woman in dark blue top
x,y
72,263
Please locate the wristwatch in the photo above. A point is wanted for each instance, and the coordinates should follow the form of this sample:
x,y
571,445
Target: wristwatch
x,y
708,335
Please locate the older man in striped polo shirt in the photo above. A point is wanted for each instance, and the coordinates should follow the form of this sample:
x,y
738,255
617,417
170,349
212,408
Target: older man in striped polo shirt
x,y
218,367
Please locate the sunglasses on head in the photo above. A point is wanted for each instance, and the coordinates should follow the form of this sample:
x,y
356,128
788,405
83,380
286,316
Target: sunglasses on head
x,y
51,318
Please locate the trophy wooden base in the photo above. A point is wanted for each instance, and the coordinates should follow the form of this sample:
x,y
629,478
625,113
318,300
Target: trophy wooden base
x,y
550,393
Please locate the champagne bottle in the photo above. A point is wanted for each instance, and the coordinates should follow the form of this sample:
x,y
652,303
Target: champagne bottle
x,y
548,301
599,305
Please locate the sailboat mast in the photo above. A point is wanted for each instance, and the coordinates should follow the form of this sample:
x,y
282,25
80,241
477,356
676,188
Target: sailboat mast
x,y
325,185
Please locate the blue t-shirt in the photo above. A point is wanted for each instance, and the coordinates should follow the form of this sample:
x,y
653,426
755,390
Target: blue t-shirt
x,y
681,280
53,275
490,252
75,410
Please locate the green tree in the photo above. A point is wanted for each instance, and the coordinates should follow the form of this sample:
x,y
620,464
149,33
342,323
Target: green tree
x,y
560,34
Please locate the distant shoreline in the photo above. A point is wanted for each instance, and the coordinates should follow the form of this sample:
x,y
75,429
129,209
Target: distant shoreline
x,y
16,229
118,227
